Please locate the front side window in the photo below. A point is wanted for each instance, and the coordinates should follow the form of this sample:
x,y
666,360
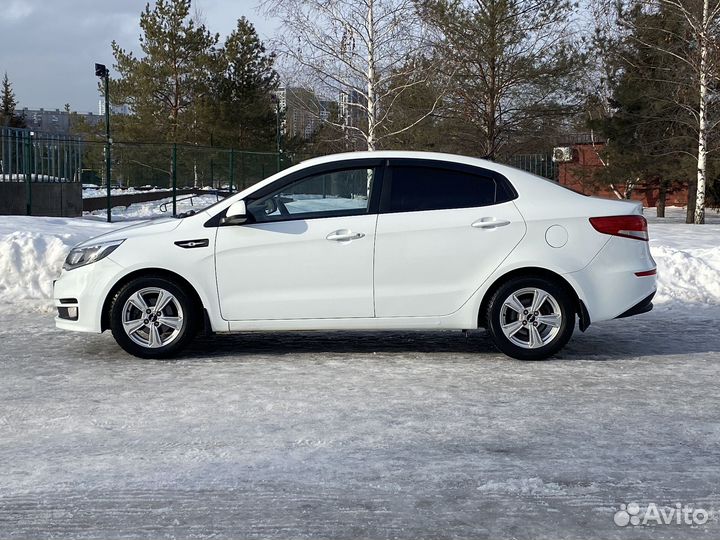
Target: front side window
x,y
417,188
335,193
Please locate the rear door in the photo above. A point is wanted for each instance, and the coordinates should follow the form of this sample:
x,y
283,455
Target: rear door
x,y
442,231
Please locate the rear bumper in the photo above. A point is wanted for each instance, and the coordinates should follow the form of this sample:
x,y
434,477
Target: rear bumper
x,y
619,282
643,306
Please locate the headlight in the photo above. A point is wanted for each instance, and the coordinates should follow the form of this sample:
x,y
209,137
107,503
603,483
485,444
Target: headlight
x,y
80,256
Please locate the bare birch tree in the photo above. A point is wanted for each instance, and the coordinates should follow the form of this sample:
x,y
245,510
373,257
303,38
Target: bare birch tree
x,y
358,51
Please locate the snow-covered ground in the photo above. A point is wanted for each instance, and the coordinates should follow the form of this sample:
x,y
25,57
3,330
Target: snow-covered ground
x,y
368,435
158,208
688,257
95,192
90,191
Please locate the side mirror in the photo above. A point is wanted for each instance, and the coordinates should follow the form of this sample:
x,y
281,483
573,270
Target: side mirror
x,y
236,214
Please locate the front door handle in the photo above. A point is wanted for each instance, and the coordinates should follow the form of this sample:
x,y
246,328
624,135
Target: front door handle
x,y
344,235
490,223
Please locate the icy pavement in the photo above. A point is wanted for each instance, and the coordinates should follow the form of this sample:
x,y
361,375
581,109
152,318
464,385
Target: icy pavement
x,y
370,435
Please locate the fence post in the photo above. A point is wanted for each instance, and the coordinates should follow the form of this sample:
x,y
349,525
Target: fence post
x,y
173,165
212,175
232,168
28,175
242,171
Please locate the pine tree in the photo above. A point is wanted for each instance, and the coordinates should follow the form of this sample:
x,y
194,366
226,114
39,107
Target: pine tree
x,y
242,113
165,86
512,62
649,136
8,104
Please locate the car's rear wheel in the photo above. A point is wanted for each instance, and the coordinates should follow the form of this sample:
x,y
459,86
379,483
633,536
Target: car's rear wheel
x,y
530,318
152,317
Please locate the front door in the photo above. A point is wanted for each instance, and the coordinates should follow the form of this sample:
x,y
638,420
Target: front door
x,y
306,252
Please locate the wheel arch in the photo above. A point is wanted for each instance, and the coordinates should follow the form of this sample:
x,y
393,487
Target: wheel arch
x,y
535,271
151,272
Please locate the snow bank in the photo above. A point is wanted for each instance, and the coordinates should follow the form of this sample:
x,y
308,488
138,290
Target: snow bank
x,y
688,276
688,259
32,251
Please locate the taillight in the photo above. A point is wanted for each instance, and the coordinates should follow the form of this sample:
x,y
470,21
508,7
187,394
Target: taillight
x,y
626,226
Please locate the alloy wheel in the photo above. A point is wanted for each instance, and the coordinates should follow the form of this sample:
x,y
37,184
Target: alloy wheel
x,y
152,317
530,318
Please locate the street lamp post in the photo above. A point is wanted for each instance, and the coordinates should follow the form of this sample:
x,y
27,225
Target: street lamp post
x,y
104,73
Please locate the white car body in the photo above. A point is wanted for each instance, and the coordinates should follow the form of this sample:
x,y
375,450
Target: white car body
x,y
408,270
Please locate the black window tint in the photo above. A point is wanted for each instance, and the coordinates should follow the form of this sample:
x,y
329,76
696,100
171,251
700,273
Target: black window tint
x,y
416,188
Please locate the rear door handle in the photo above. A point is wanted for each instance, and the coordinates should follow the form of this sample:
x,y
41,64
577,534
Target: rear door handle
x,y
490,223
344,235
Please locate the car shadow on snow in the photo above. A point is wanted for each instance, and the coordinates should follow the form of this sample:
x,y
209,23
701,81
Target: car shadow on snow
x,y
656,334
340,342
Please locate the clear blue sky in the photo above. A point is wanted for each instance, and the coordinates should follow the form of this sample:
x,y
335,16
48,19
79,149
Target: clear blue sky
x,y
49,47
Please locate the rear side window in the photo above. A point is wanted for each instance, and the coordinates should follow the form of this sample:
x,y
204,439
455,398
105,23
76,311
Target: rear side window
x,y
417,188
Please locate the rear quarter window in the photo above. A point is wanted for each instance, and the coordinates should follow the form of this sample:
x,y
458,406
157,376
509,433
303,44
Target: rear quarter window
x,y
419,188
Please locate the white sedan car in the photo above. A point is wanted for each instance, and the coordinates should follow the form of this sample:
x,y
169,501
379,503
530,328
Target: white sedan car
x,y
369,241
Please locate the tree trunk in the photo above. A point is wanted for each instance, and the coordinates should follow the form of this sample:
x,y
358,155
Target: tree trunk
x,y
699,217
691,198
662,196
371,104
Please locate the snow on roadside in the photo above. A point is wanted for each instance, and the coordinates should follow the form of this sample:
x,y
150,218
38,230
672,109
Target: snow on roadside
x,y
91,191
32,251
688,257
688,275
95,192
151,209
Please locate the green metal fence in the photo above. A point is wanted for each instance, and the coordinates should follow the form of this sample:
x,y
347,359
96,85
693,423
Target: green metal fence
x,y
539,164
144,165
29,157
39,157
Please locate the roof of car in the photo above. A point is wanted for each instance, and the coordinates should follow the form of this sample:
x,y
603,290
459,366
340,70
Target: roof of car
x,y
401,154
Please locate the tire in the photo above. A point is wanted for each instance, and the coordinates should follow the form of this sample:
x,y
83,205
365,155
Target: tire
x,y
141,330
525,333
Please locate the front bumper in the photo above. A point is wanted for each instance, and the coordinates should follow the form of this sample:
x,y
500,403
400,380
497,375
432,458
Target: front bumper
x,y
83,289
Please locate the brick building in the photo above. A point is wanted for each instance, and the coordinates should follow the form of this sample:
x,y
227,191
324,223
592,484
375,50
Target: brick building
x,y
582,162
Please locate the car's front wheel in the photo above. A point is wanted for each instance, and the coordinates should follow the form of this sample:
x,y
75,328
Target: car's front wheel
x,y
152,317
530,318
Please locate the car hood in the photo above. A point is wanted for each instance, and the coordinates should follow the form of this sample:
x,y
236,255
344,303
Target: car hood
x,y
137,229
